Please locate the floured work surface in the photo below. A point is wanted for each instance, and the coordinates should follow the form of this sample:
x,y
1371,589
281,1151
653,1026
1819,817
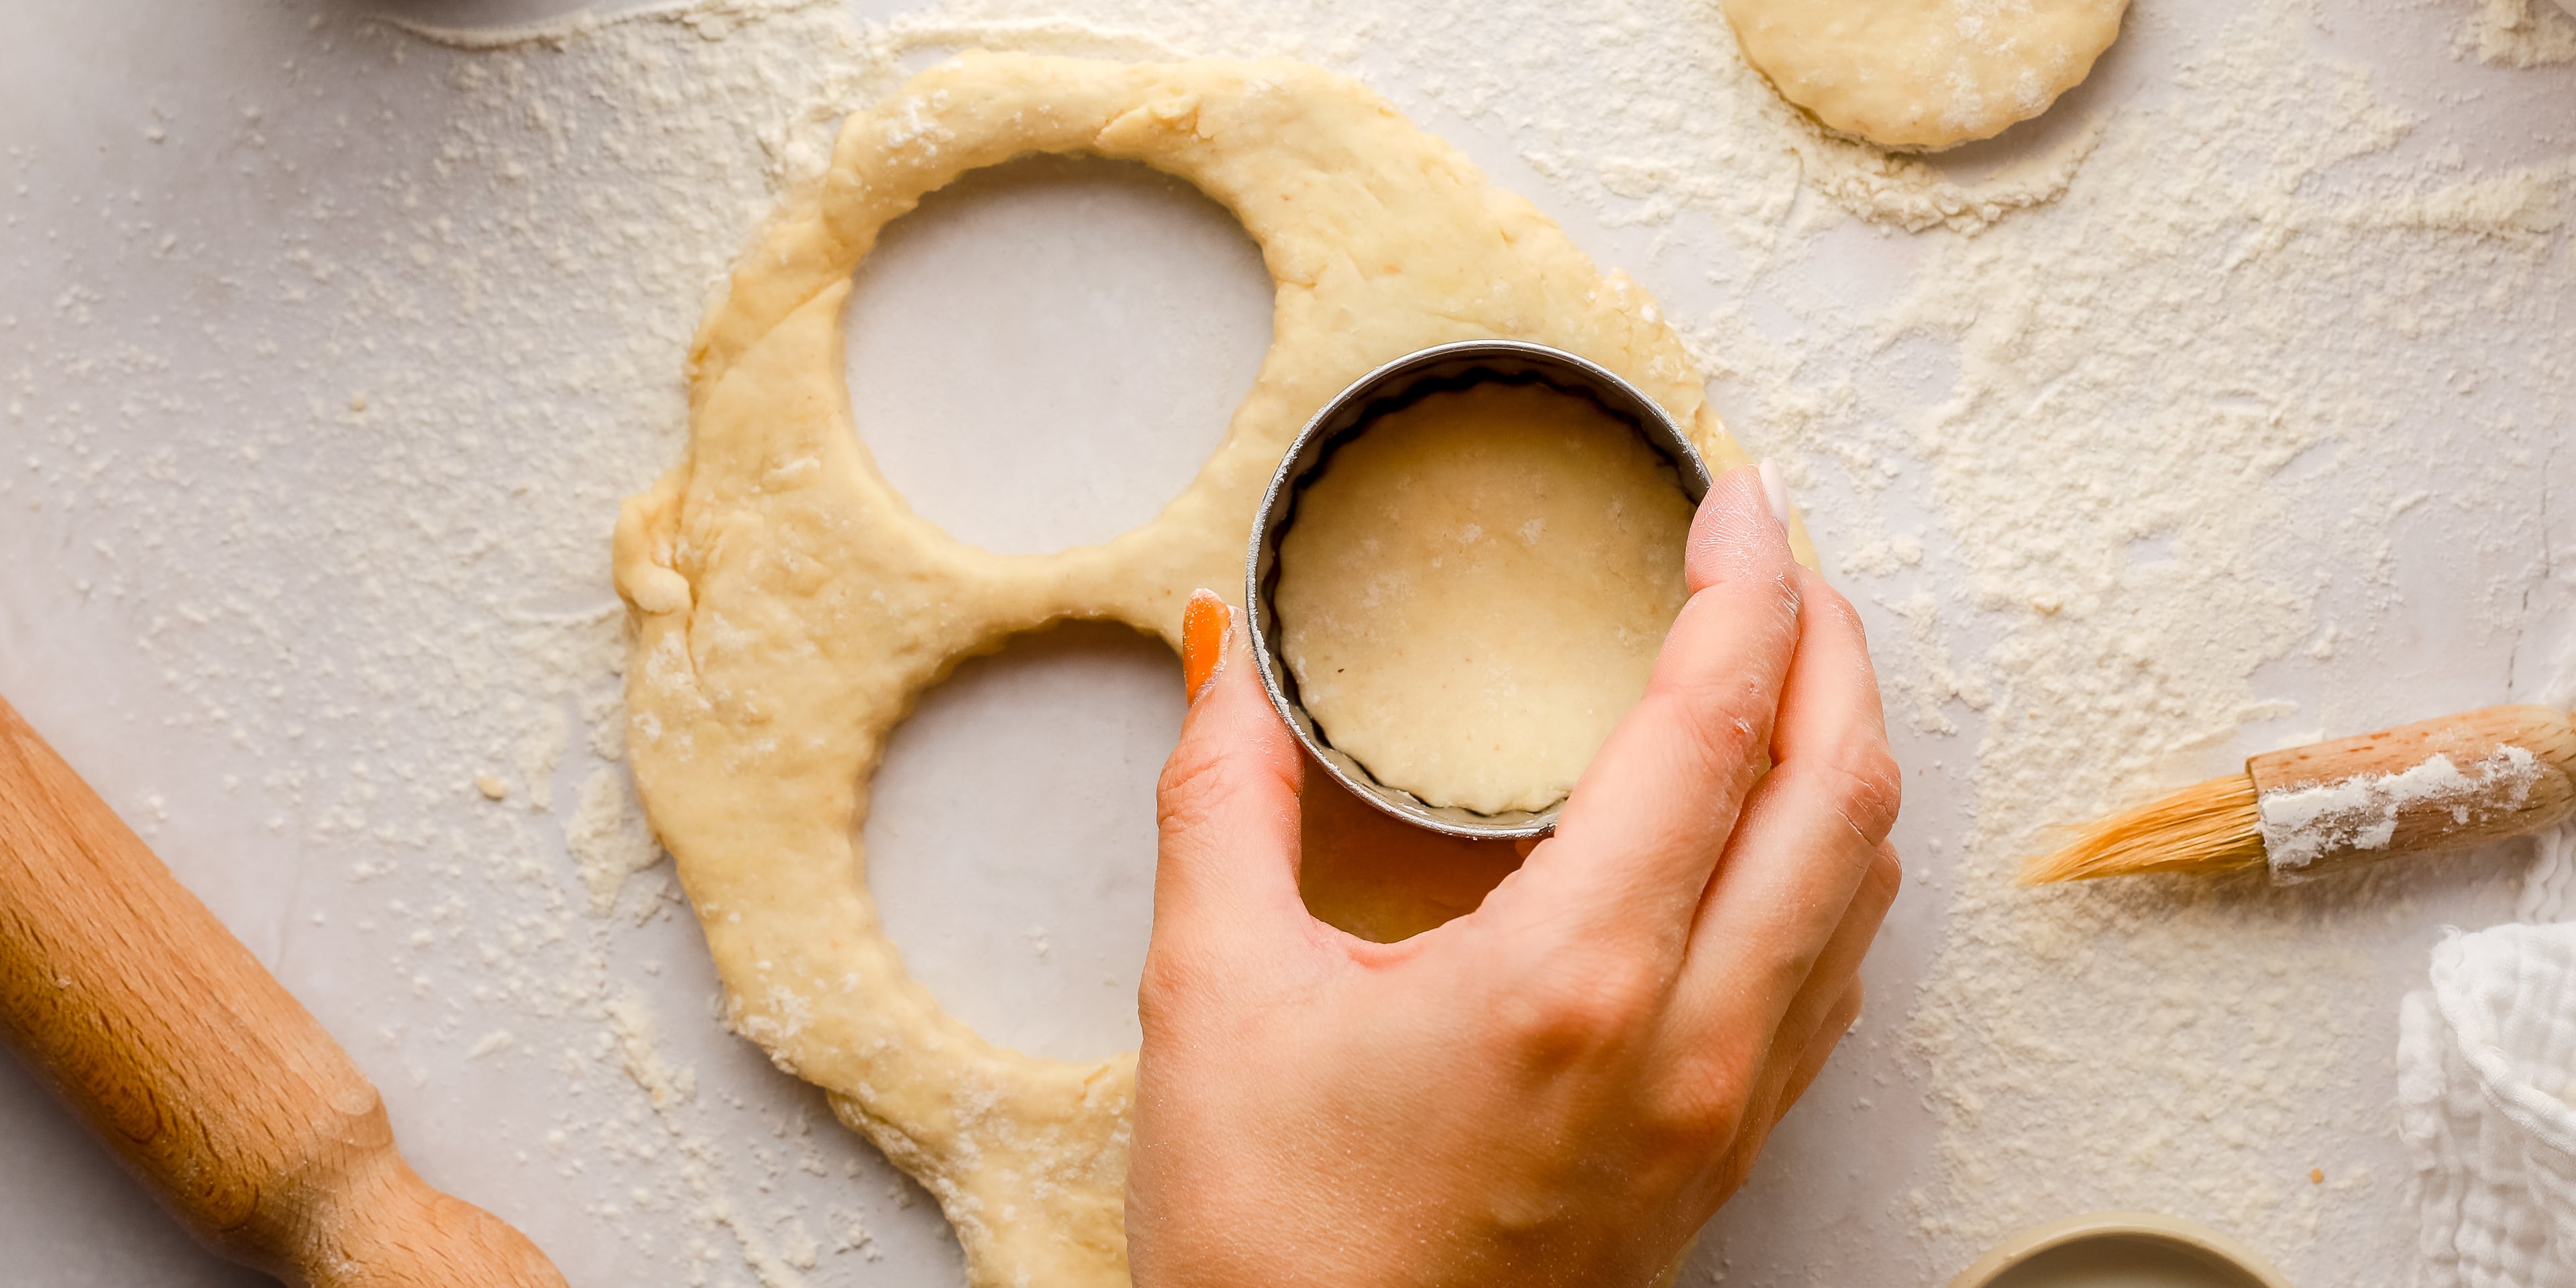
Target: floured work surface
x,y
789,607
2220,407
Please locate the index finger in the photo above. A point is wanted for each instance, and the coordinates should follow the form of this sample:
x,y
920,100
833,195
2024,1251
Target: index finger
x,y
1807,838
1647,821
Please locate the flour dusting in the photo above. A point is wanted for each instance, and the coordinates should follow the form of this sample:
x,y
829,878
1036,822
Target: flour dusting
x,y
2304,824
2114,436
2518,33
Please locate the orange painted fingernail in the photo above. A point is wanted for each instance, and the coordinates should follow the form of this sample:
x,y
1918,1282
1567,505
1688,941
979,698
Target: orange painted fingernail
x,y
1205,624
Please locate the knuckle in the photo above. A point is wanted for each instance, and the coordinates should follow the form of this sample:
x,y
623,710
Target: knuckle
x,y
1153,1001
1196,782
1869,788
1188,776
1770,602
1704,692
1701,1116
1727,716
1164,989
1726,703
1570,1007
1706,1097
1763,609
1888,870
1828,602
1711,738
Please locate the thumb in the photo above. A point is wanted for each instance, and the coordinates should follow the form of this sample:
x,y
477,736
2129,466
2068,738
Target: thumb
x,y
1226,806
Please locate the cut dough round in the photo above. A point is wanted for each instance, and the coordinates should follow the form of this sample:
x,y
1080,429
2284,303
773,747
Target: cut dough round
x,y
788,606
1473,591
1924,73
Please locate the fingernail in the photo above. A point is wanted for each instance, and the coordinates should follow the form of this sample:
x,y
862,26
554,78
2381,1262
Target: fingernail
x,y
1775,492
1206,625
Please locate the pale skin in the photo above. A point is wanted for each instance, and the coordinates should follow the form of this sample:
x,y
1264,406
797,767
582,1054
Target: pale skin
x,y
1561,1086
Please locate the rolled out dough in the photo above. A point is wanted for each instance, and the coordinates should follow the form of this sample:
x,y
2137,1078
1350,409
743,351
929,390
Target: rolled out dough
x,y
1473,590
1924,73
788,606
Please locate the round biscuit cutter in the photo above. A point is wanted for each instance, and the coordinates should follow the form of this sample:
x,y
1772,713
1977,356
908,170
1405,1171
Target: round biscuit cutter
x,y
1398,384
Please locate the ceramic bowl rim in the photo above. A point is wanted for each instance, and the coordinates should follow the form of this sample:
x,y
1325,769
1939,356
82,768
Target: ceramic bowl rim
x,y
2189,1236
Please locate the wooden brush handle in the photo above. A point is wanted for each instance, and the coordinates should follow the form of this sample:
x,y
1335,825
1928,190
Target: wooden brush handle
x,y
198,1069
2505,797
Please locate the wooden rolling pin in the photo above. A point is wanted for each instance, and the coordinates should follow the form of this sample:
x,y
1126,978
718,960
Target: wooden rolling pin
x,y
198,1069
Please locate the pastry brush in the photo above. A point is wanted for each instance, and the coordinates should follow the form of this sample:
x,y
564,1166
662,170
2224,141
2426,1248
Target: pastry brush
x,y
2435,784
190,1062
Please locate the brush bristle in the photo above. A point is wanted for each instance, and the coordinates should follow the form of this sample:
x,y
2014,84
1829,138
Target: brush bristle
x,y
2213,827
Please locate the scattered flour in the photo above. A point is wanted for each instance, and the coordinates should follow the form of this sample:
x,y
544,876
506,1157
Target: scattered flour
x,y
607,836
2140,411
540,750
347,494
2094,544
2302,825
2518,33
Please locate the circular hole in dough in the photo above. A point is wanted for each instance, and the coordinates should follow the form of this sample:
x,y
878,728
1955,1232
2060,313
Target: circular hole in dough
x,y
1924,73
1045,352
1010,836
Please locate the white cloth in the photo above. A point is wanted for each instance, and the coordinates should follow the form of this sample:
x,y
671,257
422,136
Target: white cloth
x,y
2485,1059
2549,888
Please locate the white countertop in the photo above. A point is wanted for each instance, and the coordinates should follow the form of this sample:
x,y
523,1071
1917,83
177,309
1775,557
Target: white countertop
x,y
315,423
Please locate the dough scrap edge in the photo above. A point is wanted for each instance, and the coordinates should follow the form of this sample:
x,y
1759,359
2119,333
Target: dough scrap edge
x,y
789,607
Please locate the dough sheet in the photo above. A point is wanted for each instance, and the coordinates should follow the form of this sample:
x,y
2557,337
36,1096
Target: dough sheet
x,y
789,607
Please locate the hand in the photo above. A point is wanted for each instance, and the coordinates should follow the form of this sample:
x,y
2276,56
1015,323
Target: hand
x,y
1561,1086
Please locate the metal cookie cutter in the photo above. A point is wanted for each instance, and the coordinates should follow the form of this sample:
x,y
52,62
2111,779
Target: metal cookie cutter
x,y
1398,384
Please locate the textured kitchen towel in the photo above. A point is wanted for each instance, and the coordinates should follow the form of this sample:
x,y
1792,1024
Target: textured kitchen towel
x,y
2549,887
2484,1058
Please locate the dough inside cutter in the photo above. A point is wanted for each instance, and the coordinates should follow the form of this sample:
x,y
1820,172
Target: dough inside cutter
x,y
1472,590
